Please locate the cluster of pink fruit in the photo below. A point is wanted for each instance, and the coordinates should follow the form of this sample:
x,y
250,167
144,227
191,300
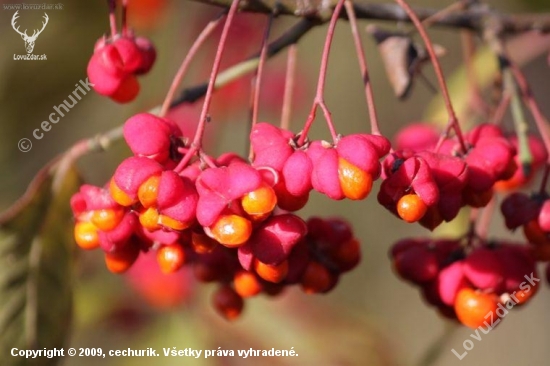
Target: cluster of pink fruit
x,y
532,213
116,62
428,179
228,218
468,284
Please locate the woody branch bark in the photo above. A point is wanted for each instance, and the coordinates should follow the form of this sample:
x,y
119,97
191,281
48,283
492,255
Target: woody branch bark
x,y
473,18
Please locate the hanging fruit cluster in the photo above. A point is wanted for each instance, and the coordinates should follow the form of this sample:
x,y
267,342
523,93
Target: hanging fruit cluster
x,y
229,219
468,280
428,180
116,62
431,181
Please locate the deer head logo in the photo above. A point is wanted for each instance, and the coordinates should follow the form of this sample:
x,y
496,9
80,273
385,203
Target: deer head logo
x,y
29,40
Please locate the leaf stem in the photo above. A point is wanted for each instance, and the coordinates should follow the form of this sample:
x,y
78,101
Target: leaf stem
x,y
533,106
520,123
493,37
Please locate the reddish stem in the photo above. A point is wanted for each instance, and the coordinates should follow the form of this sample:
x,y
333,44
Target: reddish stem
x,y
540,120
375,130
484,220
258,81
471,234
259,72
468,50
196,145
289,86
501,109
203,36
453,120
112,16
124,17
499,48
251,99
207,159
529,99
441,14
328,118
544,180
319,95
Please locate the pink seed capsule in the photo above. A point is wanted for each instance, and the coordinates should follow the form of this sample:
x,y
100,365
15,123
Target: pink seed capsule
x,y
517,261
111,241
129,53
274,240
484,270
149,136
105,70
417,265
544,216
148,55
297,263
450,281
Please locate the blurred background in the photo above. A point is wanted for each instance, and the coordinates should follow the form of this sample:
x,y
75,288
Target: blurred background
x,y
371,317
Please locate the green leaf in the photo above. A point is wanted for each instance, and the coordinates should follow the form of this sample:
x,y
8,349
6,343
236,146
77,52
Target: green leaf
x,y
36,255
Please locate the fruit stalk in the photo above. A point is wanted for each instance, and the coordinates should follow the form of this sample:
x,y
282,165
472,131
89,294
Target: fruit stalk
x,y
203,36
257,80
375,130
196,145
289,86
453,120
319,100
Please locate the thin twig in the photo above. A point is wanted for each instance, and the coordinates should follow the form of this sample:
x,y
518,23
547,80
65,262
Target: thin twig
x,y
293,35
203,36
257,81
443,13
501,109
473,19
520,123
196,145
124,17
319,100
112,16
484,220
453,120
468,53
375,129
289,86
530,101
544,179
495,41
